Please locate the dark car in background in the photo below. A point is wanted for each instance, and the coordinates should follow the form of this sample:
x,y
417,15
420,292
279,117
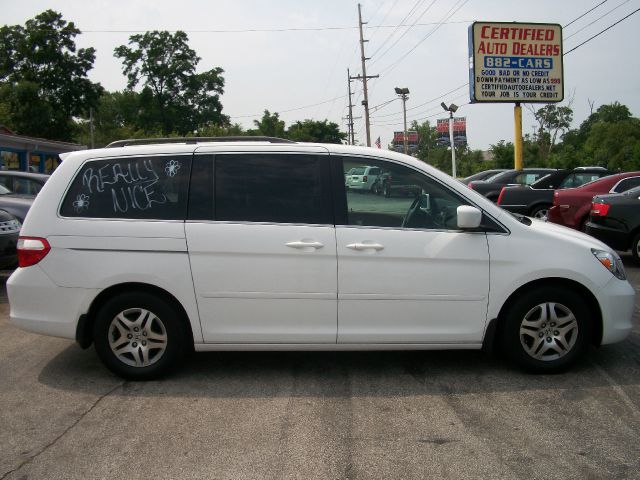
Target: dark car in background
x,y
23,183
482,175
9,231
492,186
571,206
16,205
536,199
615,220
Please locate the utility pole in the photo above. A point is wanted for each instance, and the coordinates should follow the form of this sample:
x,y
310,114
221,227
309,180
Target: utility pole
x,y
351,136
91,127
403,92
364,77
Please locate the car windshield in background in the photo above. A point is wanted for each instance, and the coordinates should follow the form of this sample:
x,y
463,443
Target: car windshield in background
x,y
4,190
357,171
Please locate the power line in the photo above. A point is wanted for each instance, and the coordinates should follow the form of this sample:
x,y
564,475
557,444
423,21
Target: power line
x,y
596,20
405,32
277,30
445,17
425,103
588,11
290,109
602,31
396,27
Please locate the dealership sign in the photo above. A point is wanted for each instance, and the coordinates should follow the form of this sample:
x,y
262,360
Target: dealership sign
x,y
515,62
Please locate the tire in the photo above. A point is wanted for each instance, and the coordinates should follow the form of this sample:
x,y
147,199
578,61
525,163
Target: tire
x,y
635,248
546,330
125,328
540,212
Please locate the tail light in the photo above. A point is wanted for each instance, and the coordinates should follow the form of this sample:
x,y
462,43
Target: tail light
x,y
470,185
31,250
364,179
599,209
500,196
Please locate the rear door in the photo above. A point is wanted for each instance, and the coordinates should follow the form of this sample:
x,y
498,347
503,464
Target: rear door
x,y
262,246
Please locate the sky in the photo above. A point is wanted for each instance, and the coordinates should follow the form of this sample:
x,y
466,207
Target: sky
x,y
301,72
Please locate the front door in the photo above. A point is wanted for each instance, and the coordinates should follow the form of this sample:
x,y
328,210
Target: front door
x,y
406,273
262,248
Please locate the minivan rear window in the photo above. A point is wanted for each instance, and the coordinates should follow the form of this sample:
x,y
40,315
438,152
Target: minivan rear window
x,y
130,187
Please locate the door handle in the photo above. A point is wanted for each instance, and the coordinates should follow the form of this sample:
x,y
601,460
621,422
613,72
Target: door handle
x,y
305,245
365,246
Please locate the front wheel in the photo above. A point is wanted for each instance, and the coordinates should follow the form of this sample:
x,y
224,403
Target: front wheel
x,y
139,336
546,330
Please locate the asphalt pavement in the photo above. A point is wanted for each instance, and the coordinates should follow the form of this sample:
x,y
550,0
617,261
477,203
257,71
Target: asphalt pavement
x,y
233,415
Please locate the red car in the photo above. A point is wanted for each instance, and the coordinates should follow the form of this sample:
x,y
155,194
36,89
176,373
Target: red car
x,y
571,206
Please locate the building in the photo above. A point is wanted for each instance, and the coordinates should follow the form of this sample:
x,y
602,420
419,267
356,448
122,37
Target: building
x,y
31,154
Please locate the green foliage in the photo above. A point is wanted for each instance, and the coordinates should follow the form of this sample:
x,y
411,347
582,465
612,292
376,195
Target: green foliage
x,y
43,77
269,125
316,131
174,98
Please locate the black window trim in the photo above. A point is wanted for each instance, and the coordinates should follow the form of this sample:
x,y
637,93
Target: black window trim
x,y
340,205
124,219
325,186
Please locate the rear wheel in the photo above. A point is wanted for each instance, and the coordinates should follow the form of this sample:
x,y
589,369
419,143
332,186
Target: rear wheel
x,y
546,330
139,336
635,248
541,212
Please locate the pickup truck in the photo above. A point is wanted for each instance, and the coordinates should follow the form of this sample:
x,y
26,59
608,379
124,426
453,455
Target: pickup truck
x,y
535,200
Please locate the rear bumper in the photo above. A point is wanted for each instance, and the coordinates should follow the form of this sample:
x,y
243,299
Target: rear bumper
x,y
617,302
40,306
615,238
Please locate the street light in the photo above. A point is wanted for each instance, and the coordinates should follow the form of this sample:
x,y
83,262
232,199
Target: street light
x,y
451,109
403,92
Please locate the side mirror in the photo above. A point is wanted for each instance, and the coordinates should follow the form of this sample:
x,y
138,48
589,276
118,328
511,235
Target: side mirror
x,y
468,217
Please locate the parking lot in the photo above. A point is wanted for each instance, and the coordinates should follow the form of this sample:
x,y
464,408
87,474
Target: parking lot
x,y
317,415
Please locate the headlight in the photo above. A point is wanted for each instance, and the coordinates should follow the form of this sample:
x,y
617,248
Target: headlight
x,y
611,262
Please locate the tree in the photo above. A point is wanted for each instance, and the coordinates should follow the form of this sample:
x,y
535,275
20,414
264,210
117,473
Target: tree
x,y
316,131
43,76
174,98
553,122
269,125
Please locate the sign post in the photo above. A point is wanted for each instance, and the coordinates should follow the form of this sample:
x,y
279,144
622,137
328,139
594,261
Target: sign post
x,y
514,63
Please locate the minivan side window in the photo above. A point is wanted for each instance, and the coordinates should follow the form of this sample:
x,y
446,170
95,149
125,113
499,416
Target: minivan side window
x,y
153,188
261,187
401,198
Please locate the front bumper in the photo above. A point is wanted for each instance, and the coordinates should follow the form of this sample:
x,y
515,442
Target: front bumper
x,y
617,302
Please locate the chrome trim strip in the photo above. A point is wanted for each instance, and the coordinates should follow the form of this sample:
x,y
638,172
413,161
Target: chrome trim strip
x,y
270,295
221,347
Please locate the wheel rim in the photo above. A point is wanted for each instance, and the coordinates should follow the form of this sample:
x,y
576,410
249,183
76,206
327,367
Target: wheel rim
x,y
638,249
542,214
548,331
137,337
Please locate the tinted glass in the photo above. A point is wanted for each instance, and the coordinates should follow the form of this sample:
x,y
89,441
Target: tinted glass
x,y
272,188
133,187
626,184
529,177
402,198
577,179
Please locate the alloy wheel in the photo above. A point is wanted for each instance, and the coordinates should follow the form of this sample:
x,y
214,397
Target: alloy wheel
x,y
137,337
548,331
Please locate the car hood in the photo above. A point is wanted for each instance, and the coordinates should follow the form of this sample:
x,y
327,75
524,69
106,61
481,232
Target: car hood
x,y
562,233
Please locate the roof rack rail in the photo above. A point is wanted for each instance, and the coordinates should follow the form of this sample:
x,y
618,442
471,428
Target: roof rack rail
x,y
193,140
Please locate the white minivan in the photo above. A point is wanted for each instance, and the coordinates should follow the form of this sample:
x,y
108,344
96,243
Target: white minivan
x,y
151,249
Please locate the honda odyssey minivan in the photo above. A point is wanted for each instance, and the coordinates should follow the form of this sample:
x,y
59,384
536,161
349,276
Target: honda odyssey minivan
x,y
149,249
